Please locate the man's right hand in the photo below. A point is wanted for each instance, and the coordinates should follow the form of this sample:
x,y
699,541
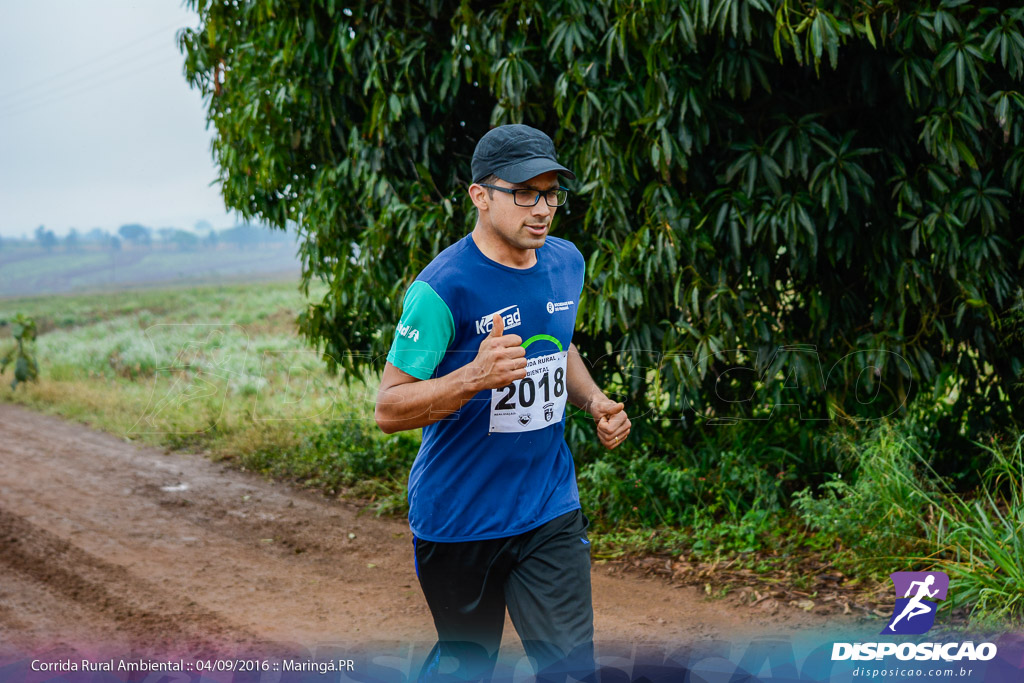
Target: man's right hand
x,y
500,360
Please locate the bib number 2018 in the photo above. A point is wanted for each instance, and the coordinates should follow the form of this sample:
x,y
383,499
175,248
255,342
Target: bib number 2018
x,y
528,391
534,402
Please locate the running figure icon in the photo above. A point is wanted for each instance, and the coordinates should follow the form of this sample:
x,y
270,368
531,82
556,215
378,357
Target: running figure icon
x,y
916,607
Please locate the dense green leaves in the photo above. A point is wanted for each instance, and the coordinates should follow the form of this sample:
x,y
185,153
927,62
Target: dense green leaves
x,y
26,368
753,176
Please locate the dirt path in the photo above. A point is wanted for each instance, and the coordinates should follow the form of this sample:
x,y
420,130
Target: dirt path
x,y
106,546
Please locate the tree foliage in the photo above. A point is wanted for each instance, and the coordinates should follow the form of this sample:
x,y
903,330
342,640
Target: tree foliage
x,y
828,187
46,238
72,241
135,233
26,368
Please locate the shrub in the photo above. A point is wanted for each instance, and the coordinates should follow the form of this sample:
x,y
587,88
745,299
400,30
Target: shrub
x,y
879,510
23,330
344,457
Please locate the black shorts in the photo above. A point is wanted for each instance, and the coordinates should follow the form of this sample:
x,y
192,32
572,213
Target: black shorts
x,y
542,576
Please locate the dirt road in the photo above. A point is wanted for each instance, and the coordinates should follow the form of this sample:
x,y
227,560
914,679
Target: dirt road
x,y
106,546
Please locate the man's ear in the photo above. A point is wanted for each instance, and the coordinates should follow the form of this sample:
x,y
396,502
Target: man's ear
x,y
479,196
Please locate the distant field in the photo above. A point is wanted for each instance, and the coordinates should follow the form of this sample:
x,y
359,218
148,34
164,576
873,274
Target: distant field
x,y
34,271
188,363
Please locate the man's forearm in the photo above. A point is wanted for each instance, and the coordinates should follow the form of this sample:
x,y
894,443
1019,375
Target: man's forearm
x,y
417,404
413,405
581,386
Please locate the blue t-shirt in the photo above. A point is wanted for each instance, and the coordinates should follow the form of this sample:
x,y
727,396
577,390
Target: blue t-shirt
x,y
500,465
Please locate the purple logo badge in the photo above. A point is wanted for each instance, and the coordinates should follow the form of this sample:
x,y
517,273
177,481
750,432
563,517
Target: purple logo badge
x,y
914,612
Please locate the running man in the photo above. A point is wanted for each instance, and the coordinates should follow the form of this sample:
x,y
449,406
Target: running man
x,y
915,606
483,361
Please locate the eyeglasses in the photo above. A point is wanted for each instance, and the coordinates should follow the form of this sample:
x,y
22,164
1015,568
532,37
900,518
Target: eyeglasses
x,y
526,197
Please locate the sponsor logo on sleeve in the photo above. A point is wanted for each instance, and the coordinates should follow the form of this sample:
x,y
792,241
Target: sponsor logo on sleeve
x,y
408,332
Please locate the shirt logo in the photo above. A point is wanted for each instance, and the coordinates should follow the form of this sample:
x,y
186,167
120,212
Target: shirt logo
x,y
555,306
408,332
511,318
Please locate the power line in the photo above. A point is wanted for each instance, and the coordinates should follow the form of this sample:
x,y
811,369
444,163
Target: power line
x,y
72,87
87,87
94,81
99,58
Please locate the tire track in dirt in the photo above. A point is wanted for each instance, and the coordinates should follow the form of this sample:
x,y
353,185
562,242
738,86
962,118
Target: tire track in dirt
x,y
139,609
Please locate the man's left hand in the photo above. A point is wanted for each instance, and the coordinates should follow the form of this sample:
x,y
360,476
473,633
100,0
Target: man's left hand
x,y
613,424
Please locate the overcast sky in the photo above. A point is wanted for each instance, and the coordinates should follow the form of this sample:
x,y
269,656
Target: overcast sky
x,y
98,126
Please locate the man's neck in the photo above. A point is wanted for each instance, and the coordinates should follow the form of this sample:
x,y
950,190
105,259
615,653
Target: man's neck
x,y
498,250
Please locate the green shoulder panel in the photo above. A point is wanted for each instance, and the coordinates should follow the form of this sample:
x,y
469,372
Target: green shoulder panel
x,y
424,332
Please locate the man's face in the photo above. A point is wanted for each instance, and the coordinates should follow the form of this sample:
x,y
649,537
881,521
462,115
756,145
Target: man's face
x,y
522,227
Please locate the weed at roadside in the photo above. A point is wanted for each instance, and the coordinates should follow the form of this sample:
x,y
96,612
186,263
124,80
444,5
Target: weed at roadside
x,y
979,541
341,457
878,513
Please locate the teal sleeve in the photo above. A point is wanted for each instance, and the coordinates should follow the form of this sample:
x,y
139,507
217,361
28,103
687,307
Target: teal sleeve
x,y
424,332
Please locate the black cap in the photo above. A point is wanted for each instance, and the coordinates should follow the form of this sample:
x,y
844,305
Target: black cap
x,y
515,153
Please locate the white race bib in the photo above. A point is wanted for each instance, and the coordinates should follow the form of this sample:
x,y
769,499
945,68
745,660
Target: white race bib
x,y
534,402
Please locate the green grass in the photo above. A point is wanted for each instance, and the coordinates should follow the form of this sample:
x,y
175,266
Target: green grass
x,y
217,369
875,513
899,514
979,540
235,303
